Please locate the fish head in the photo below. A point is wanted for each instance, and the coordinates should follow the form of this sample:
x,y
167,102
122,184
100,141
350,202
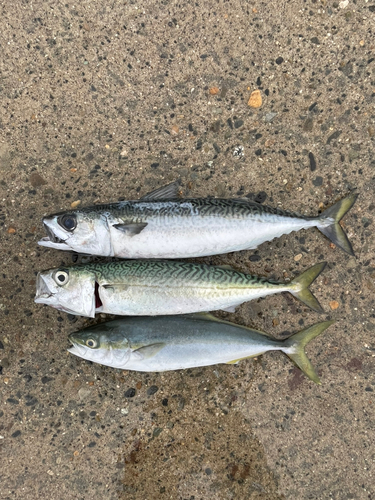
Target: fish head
x,y
71,290
97,344
82,231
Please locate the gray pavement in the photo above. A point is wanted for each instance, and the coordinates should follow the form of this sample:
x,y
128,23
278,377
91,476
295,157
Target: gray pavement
x,y
107,100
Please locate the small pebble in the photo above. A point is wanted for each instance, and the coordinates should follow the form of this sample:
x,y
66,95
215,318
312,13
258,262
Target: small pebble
x,y
83,393
214,90
157,432
11,230
37,180
75,204
269,117
352,263
130,393
175,130
298,257
255,100
333,304
318,181
254,258
312,162
152,390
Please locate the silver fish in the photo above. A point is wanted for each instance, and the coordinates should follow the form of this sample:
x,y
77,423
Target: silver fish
x,y
160,225
155,288
178,342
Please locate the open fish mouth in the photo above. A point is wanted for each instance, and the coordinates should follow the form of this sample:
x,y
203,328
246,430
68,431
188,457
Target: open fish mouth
x,y
51,240
51,235
43,293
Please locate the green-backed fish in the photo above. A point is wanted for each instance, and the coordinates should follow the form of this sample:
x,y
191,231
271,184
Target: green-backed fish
x,y
177,342
142,288
160,225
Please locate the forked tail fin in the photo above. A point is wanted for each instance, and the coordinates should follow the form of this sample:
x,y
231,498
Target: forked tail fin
x,y
300,286
334,231
294,347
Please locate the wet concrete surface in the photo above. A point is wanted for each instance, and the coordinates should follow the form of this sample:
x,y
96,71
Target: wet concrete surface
x,y
103,101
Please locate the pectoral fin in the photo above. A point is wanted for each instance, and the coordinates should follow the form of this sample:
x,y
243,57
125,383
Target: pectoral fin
x,y
131,229
115,286
149,351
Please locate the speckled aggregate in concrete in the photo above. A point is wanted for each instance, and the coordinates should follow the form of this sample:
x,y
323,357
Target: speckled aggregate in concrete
x,y
107,100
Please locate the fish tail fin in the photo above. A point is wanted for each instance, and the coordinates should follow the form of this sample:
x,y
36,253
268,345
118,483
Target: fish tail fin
x,y
294,348
300,286
334,231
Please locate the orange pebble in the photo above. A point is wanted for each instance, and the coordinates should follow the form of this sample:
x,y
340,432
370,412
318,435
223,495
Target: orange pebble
x,y
334,304
255,100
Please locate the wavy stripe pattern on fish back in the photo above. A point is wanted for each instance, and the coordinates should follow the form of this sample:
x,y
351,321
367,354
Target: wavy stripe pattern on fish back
x,y
189,274
204,207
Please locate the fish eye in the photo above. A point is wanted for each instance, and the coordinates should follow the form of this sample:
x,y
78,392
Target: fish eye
x,y
91,343
61,277
68,222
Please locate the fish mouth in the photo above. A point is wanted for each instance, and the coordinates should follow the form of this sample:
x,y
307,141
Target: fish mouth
x,y
51,240
77,349
43,293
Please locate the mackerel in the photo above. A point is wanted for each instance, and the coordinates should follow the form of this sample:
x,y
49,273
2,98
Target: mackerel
x,y
160,225
157,288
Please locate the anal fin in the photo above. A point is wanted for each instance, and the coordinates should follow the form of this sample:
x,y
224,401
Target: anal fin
x,y
235,361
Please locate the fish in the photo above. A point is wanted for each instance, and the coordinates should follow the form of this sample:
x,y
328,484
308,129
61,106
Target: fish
x,y
154,288
162,226
166,343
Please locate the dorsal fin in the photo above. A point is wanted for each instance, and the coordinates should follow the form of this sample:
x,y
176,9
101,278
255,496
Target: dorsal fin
x,y
169,191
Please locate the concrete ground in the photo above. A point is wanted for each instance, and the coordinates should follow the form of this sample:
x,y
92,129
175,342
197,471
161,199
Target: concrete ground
x,y
109,100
